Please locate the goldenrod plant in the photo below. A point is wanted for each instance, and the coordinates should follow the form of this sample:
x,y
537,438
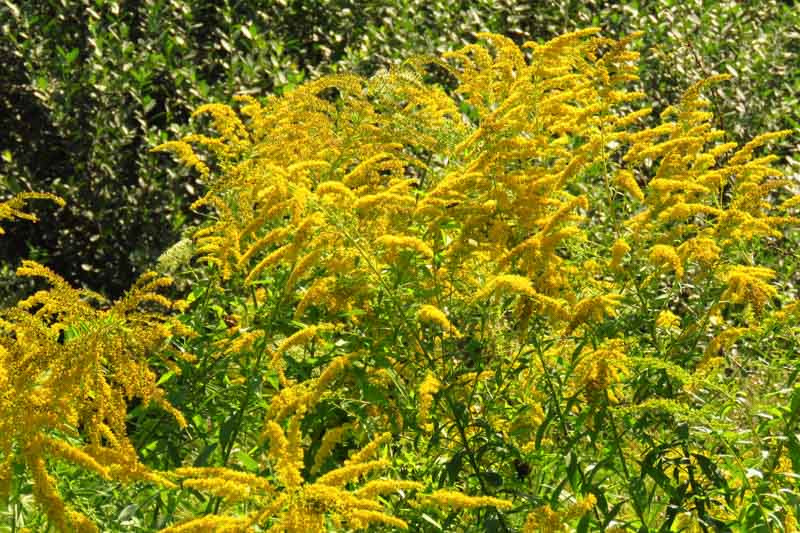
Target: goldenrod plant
x,y
499,305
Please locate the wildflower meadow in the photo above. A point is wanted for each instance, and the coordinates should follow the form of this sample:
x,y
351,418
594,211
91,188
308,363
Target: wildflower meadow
x,y
490,289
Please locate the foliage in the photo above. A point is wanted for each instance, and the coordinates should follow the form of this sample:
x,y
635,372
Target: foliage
x,y
89,87
503,302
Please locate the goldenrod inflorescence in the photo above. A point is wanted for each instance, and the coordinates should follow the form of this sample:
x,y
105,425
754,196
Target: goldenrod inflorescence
x,y
501,302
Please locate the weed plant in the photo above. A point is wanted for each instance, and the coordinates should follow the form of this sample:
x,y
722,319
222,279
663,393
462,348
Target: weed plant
x,y
499,303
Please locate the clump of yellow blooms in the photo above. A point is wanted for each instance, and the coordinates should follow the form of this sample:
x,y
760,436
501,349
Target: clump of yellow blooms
x,y
394,206
545,520
67,368
434,315
429,386
356,220
458,500
667,320
289,503
13,208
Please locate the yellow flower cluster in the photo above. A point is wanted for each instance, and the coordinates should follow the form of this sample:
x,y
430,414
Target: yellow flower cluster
x,y
429,386
66,363
433,315
382,208
13,208
290,503
458,500
545,520
601,370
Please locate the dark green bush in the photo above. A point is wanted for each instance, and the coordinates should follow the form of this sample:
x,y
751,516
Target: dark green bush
x,y
89,86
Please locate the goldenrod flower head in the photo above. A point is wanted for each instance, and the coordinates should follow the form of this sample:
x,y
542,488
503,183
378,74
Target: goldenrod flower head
x,y
12,208
396,243
625,181
704,250
618,251
329,441
512,283
369,450
342,475
302,337
429,386
667,320
723,341
434,315
664,255
601,370
749,285
458,500
593,309
185,154
546,520
74,364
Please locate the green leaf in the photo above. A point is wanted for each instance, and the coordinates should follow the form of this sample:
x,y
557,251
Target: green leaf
x,y
202,457
247,462
454,466
431,521
127,513
166,377
227,429
71,56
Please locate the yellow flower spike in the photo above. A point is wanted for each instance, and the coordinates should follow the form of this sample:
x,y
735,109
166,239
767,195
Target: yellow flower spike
x,y
599,371
76,456
361,519
302,337
665,255
336,189
46,494
227,124
273,258
334,369
619,250
185,154
667,320
274,236
546,520
625,181
458,500
511,283
344,474
749,285
429,386
593,309
434,315
283,451
331,438
723,341
12,208
356,176
396,243
682,211
369,450
701,249
211,523
235,476
746,151
304,165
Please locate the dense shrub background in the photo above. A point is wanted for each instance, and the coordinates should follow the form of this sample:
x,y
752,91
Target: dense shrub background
x,y
89,86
